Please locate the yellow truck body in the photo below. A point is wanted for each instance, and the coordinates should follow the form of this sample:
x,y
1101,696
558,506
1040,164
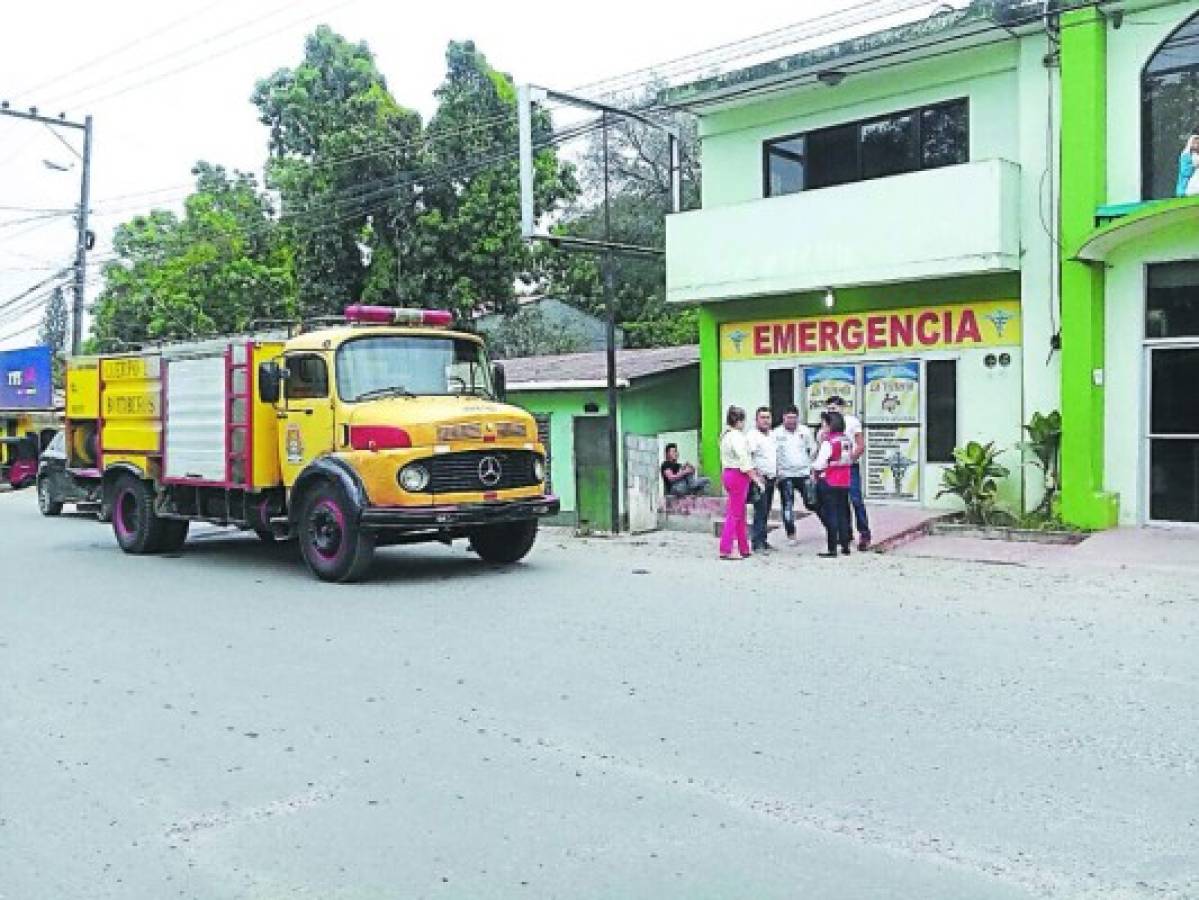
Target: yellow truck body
x,y
344,438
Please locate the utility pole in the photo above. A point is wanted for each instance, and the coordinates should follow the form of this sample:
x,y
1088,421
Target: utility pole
x,y
610,316
606,249
82,235
85,190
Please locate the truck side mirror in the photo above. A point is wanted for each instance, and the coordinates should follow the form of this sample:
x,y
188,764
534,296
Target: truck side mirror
x,y
499,381
270,382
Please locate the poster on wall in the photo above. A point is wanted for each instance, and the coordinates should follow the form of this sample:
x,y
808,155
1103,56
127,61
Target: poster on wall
x,y
892,462
822,382
891,393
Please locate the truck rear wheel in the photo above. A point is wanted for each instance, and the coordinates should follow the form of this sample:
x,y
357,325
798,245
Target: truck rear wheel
x,y
503,544
137,528
334,545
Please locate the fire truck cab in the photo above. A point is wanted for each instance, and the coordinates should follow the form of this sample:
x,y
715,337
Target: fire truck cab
x,y
387,428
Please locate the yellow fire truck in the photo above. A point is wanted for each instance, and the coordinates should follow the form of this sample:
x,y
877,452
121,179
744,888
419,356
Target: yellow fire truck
x,y
386,428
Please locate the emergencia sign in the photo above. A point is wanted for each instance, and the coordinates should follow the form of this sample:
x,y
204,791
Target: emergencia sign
x,y
993,323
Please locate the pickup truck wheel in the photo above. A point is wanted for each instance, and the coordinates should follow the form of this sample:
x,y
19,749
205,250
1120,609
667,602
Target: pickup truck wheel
x,y
335,547
137,528
45,501
504,544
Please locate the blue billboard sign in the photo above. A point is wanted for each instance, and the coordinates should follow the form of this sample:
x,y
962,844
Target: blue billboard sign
x,y
25,379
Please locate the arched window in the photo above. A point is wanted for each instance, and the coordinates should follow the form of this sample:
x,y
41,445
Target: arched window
x,y
1170,112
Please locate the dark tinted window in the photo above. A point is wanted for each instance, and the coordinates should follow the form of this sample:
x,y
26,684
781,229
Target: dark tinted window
x,y
923,138
1170,114
1172,307
1175,407
782,392
784,166
941,403
889,146
833,156
945,135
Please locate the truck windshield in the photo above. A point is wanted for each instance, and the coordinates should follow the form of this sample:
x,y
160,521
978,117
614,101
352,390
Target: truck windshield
x,y
408,365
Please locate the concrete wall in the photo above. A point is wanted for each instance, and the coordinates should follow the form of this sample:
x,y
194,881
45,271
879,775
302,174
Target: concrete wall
x,y
732,139
644,492
1125,377
1128,49
1126,406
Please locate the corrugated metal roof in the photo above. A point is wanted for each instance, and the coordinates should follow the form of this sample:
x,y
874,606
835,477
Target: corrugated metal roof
x,y
630,364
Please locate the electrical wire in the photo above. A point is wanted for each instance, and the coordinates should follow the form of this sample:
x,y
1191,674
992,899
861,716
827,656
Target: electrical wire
x,y
167,73
103,57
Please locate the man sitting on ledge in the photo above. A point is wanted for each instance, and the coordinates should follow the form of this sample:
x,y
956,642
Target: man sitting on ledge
x,y
680,479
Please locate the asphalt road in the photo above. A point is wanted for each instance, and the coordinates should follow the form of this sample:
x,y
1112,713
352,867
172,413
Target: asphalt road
x,y
627,718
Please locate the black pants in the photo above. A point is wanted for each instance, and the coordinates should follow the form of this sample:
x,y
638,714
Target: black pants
x,y
762,504
834,513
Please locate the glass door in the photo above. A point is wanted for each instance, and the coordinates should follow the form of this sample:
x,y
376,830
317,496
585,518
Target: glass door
x,y
886,396
1173,433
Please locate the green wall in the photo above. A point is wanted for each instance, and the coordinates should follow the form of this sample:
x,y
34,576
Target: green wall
x,y
1084,189
665,402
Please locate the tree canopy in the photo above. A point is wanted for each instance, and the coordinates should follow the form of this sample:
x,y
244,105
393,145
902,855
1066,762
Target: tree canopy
x,y
375,205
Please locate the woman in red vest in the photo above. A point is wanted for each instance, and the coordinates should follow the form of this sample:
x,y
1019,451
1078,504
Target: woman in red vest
x,y
834,461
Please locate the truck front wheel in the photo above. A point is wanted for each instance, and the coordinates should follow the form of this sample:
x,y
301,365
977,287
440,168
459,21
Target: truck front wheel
x,y
137,528
503,544
334,545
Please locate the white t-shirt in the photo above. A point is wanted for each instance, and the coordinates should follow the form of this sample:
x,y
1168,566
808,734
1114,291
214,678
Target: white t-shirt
x,y
764,453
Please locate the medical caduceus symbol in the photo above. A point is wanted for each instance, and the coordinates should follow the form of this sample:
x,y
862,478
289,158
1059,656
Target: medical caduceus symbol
x,y
899,465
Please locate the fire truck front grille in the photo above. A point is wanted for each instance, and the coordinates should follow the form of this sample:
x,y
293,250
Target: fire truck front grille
x,y
481,470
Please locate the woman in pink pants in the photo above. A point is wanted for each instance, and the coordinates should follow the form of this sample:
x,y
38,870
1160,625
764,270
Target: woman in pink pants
x,y
738,472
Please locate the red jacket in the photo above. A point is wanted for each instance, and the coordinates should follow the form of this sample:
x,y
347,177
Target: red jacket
x,y
837,474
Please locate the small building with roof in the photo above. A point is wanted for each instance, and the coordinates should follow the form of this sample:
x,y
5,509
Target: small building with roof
x,y
657,403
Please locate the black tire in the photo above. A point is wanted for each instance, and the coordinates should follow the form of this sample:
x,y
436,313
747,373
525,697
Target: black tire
x,y
45,502
332,542
137,528
173,535
504,544
266,535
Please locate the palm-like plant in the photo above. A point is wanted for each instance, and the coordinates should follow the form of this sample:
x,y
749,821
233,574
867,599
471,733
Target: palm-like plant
x,y
974,478
1045,443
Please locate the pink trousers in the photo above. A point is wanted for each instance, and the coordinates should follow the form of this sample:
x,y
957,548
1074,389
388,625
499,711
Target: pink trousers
x,y
736,488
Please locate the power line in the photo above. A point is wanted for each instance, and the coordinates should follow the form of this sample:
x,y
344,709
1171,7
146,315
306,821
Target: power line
x,y
103,57
158,76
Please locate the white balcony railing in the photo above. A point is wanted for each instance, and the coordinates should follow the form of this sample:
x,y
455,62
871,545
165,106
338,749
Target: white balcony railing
x,y
959,220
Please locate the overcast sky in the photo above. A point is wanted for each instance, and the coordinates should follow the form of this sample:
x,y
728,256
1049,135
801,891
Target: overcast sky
x,y
169,84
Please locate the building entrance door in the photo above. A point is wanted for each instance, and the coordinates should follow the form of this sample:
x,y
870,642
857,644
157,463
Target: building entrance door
x,y
888,397
593,474
1173,433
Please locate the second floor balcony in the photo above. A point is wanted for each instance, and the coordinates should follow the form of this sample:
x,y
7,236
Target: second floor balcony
x,y
941,223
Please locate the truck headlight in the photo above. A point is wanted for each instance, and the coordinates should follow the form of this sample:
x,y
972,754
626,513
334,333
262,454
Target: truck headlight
x,y
539,468
414,478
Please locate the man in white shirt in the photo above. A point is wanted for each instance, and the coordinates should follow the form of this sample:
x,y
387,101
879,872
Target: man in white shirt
x,y
795,448
764,454
853,431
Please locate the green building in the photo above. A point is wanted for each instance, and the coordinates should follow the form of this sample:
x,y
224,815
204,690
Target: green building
x,y
658,402
959,222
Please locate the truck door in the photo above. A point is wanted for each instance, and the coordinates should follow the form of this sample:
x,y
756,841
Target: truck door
x,y
306,414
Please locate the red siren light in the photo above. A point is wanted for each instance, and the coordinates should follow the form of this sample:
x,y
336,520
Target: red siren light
x,y
394,315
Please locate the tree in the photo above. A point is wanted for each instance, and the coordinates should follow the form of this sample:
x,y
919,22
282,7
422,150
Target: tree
x,y
53,334
467,252
212,271
527,333
55,322
639,192
343,156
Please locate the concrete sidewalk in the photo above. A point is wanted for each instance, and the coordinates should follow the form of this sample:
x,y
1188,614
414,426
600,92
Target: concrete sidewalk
x,y
1120,548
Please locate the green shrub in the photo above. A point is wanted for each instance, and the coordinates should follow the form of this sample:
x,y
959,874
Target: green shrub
x,y
974,479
